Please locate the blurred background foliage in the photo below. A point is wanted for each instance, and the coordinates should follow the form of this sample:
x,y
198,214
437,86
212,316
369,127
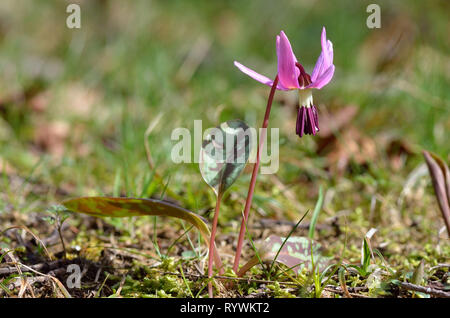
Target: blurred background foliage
x,y
75,103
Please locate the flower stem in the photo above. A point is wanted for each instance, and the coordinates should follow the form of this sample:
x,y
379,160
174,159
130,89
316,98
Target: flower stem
x,y
251,189
212,244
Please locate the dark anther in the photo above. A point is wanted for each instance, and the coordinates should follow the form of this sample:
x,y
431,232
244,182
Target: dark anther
x,y
307,121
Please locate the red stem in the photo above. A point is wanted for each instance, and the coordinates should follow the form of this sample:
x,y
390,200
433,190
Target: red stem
x,y
251,189
212,243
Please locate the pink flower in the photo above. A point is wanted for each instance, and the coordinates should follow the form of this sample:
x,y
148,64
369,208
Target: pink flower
x,y
292,75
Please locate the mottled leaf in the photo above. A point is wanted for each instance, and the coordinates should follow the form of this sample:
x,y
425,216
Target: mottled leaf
x,y
224,154
295,253
125,207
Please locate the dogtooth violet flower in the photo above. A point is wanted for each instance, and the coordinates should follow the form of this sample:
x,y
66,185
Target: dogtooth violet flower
x,y
292,75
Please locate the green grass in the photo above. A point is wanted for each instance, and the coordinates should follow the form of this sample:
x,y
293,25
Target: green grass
x,y
104,84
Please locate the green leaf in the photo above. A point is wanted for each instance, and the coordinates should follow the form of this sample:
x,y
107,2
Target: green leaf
x,y
419,273
295,253
366,250
365,257
224,154
125,207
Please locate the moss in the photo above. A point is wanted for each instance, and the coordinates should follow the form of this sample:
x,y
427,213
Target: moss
x,y
279,292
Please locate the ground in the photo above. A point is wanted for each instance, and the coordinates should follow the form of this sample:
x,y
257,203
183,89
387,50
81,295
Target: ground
x,y
75,105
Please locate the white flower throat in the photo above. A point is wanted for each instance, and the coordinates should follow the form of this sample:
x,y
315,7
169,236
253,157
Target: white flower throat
x,y
305,97
307,116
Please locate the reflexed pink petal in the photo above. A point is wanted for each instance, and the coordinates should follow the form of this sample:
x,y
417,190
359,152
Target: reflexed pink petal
x,y
260,78
287,71
327,59
323,79
324,63
318,68
329,52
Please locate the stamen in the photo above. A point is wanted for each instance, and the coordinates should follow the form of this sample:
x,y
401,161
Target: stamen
x,y
316,117
307,118
302,125
297,124
307,121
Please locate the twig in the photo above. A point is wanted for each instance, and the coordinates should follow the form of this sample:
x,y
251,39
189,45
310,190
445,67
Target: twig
x,y
23,227
122,282
341,292
438,266
44,267
52,279
426,290
18,282
23,280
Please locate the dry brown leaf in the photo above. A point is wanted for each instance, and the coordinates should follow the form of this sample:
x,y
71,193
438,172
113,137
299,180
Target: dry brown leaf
x,y
51,137
340,142
5,167
329,124
440,175
351,145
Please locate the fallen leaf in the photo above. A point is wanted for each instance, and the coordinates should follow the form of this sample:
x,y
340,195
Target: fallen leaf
x,y
51,137
125,207
295,254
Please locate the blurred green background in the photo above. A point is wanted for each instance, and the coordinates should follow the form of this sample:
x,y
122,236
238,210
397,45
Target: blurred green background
x,y
75,103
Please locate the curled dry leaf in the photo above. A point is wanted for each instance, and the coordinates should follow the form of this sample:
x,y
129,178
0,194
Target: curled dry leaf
x,y
440,176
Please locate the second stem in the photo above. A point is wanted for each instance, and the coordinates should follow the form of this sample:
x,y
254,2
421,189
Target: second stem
x,y
212,243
